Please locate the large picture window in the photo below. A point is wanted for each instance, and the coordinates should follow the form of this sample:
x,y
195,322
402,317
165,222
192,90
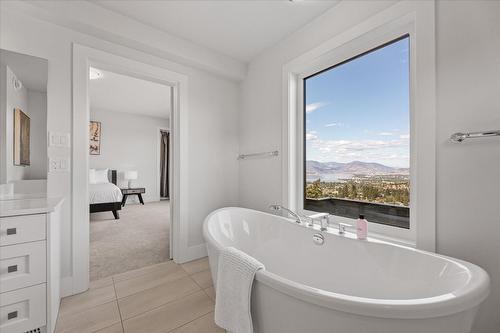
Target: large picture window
x,y
357,136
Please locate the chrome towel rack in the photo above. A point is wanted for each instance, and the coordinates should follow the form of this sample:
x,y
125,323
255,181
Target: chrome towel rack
x,y
255,155
460,137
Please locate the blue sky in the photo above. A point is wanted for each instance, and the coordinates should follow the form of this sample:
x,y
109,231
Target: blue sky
x,y
359,111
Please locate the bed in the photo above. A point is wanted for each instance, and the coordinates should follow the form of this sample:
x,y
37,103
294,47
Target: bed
x,y
105,196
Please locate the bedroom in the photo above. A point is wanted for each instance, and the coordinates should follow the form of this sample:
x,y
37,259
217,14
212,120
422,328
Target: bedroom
x,y
128,173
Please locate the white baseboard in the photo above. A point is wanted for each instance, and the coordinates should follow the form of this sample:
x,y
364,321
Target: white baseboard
x,y
193,253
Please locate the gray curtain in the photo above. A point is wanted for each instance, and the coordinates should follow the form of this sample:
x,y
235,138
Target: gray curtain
x,y
165,164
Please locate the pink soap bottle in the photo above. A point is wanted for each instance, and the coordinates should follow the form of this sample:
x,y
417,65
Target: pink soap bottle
x,y
362,227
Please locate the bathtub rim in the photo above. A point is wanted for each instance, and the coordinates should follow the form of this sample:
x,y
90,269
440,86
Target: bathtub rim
x,y
467,297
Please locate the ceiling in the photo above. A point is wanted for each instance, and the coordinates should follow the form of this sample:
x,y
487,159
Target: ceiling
x,y
241,29
122,93
31,71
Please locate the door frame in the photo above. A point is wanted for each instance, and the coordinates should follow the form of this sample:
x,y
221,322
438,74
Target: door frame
x,y
83,58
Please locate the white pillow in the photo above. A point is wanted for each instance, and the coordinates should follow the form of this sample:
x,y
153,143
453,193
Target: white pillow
x,y
100,176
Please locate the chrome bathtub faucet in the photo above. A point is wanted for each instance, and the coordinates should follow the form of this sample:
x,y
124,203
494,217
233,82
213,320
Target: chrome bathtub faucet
x,y
278,208
343,227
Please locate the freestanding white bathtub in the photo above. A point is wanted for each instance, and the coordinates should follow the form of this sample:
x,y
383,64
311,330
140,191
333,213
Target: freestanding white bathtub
x,y
345,285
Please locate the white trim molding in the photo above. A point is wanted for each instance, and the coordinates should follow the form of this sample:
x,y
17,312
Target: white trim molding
x,y
416,18
83,58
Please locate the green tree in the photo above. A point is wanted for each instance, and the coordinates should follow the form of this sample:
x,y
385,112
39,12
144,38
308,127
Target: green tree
x,y
314,190
353,192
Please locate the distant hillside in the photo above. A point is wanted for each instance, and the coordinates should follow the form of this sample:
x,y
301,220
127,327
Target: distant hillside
x,y
330,171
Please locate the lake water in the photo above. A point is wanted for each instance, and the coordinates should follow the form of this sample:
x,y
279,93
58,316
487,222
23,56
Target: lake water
x,y
330,177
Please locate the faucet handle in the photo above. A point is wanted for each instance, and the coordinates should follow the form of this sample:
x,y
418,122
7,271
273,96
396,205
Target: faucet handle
x,y
275,207
343,227
317,217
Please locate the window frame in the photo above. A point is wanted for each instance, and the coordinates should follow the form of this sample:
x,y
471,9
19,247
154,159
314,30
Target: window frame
x,y
398,20
303,103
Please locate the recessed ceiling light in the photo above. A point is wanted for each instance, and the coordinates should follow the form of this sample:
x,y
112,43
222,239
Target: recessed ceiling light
x,y
94,73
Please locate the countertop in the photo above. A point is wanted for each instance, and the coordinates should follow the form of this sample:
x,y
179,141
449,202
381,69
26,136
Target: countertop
x,y
29,204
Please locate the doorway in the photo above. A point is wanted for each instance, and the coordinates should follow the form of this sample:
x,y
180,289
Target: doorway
x,y
133,232
83,59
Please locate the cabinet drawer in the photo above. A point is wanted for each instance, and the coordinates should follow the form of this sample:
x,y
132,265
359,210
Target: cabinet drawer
x,y
22,265
21,229
23,310
133,191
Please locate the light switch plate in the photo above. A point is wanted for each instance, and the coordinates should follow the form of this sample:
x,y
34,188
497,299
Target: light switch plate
x,y
58,139
58,164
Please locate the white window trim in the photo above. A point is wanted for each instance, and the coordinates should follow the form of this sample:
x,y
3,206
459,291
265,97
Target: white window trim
x,y
416,19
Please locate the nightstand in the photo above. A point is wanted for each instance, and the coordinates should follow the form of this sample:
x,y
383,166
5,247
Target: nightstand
x,y
132,191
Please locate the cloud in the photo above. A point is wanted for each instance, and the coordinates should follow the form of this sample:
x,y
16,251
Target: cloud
x,y
386,133
314,106
404,136
341,146
389,152
334,124
311,136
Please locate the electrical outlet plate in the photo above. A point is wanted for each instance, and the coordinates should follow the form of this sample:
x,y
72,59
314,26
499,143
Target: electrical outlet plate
x,y
58,164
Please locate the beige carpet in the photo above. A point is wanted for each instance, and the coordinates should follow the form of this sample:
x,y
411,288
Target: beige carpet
x,y
139,238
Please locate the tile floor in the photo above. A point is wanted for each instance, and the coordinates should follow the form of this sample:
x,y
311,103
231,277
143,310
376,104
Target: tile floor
x,y
156,299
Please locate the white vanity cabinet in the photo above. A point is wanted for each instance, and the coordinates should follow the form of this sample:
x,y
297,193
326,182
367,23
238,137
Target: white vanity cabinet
x,y
29,265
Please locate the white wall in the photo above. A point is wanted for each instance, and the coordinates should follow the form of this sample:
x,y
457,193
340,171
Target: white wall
x,y
468,181
130,142
37,107
212,125
3,121
468,175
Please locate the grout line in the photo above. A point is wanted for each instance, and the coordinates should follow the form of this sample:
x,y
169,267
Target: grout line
x,y
195,282
93,308
211,285
205,290
159,306
189,322
200,259
113,282
134,277
140,291
104,328
118,306
62,315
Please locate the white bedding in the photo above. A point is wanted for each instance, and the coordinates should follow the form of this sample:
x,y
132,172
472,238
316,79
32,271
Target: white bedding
x,y
101,193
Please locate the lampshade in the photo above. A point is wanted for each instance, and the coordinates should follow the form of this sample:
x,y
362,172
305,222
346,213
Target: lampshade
x,y
130,175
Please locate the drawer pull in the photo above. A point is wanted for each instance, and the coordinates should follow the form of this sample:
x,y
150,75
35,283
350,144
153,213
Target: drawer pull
x,y
12,269
11,231
12,315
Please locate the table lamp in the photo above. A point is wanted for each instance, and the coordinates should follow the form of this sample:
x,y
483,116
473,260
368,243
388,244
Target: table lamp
x,y
130,176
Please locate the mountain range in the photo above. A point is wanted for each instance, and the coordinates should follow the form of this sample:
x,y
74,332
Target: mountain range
x,y
329,171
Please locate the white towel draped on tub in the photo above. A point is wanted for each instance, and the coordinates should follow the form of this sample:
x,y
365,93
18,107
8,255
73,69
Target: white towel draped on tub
x,y
235,277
